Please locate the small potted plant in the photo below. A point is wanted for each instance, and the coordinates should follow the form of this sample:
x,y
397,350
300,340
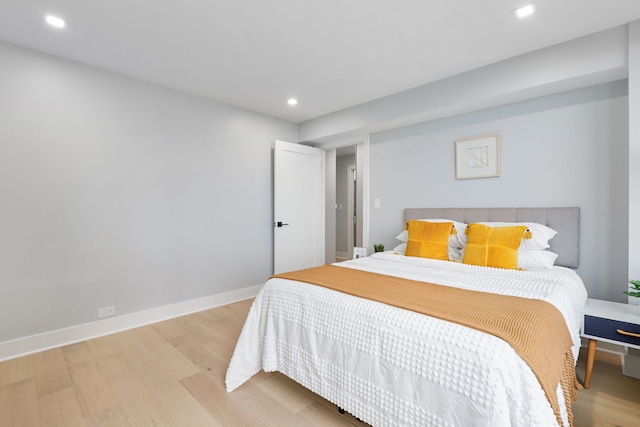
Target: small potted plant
x,y
635,289
378,247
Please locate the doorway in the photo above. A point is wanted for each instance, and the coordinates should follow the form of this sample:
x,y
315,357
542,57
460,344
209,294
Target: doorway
x,y
352,208
336,229
348,210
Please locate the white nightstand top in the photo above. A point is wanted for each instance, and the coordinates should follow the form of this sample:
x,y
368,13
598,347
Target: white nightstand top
x,y
612,310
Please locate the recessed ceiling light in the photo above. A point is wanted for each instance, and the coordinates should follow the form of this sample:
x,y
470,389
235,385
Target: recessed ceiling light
x,y
55,21
292,101
524,11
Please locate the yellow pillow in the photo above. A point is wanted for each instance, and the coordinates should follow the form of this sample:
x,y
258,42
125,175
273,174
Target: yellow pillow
x,y
493,246
429,239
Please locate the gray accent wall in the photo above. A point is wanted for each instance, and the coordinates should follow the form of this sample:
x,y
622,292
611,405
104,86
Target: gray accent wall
x,y
568,149
118,192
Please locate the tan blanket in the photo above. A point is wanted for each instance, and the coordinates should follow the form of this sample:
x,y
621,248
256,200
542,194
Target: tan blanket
x,y
534,328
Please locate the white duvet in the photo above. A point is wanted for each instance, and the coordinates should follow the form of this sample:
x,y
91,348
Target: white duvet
x,y
393,367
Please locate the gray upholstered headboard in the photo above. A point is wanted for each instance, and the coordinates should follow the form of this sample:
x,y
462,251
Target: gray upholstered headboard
x,y
566,221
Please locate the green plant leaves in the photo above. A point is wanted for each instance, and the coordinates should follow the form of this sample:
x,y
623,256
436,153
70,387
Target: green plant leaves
x,y
635,292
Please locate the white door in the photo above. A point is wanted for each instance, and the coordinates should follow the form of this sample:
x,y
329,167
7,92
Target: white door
x,y
298,207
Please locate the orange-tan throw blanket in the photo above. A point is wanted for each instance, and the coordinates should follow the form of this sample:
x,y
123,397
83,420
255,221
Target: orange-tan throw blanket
x,y
534,328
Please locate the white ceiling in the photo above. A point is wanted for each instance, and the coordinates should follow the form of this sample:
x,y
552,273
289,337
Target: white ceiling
x,y
330,54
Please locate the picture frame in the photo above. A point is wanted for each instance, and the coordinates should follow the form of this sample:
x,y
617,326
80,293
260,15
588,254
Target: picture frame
x,y
359,252
478,157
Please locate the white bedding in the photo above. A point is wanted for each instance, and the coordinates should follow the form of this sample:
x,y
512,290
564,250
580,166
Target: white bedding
x,y
393,367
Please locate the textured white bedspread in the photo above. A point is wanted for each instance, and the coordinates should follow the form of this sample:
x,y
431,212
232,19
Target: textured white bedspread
x,y
394,367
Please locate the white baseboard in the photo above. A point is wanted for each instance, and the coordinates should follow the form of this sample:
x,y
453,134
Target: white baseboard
x,y
342,255
61,337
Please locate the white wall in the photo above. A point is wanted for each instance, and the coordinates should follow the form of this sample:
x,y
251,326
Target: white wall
x,y
568,149
119,192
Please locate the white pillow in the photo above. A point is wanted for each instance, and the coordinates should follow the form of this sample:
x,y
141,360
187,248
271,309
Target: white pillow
x,y
403,236
402,248
456,241
541,234
535,258
455,254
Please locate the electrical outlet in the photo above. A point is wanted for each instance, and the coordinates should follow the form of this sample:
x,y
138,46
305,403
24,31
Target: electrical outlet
x,y
107,311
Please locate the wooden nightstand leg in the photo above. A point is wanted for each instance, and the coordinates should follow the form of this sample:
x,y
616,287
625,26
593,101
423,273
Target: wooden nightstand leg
x,y
591,355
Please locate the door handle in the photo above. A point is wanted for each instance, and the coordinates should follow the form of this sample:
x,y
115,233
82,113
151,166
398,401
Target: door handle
x,y
279,224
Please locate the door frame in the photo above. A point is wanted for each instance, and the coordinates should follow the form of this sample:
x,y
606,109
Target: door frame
x,y
363,142
351,205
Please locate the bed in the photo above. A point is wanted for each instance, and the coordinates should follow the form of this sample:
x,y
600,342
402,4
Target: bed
x,y
391,366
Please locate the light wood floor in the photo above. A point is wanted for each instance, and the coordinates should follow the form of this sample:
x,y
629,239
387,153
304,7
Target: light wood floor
x,y
172,374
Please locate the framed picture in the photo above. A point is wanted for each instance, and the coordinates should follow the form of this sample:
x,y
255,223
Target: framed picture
x,y
359,253
478,157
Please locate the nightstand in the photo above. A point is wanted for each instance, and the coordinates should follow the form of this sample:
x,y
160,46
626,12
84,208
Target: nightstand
x,y
611,322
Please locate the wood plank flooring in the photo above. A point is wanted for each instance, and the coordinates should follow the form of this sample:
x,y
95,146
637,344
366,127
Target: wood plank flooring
x,y
172,374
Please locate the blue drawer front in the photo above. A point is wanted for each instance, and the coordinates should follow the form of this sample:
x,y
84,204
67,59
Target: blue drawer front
x,y
606,328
